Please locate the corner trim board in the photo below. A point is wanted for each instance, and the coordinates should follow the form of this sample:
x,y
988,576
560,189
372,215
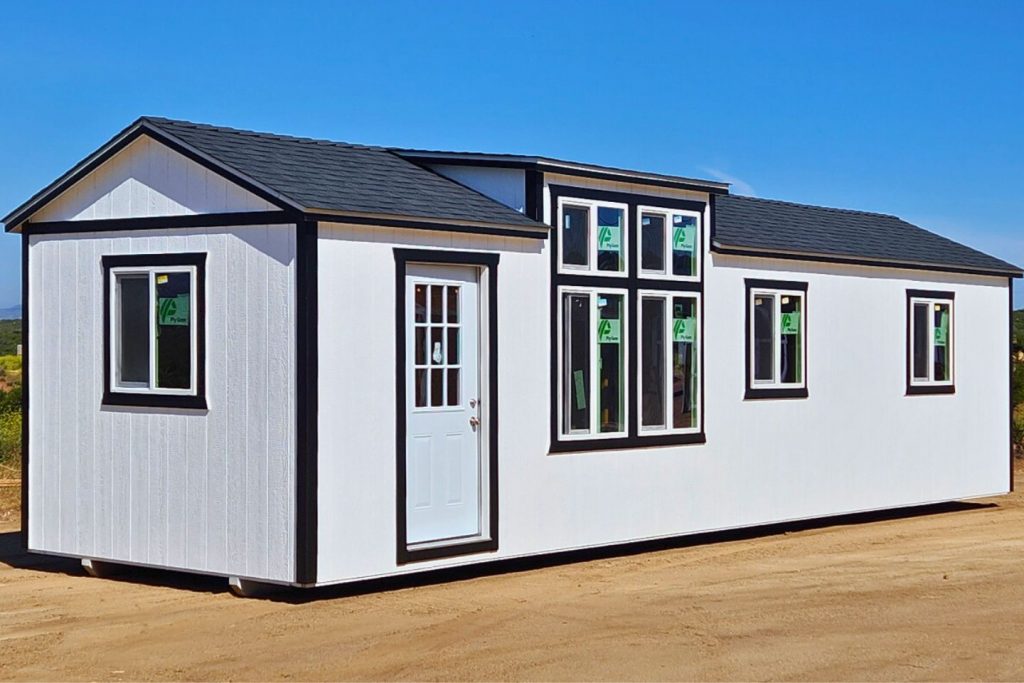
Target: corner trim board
x,y
403,257
307,402
25,383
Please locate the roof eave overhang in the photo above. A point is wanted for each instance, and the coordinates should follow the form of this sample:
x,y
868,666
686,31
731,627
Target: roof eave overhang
x,y
851,259
13,221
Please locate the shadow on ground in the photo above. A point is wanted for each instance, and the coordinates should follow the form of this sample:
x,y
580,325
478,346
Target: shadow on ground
x,y
13,555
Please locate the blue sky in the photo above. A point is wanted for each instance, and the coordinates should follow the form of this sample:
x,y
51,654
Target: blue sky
x,y
912,108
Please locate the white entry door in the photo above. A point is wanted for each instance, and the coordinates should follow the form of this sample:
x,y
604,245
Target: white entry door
x,y
443,453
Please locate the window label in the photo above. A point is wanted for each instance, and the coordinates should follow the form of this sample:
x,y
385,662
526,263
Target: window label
x,y
683,329
791,323
942,330
609,238
683,238
581,390
173,310
608,331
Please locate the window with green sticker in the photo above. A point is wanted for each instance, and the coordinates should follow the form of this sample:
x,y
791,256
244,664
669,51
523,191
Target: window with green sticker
x,y
776,339
930,341
592,236
152,339
593,385
669,243
668,362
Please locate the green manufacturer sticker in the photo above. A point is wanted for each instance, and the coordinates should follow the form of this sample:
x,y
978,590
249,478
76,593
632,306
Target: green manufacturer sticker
x,y
173,310
683,237
609,238
684,329
608,331
581,392
791,323
942,330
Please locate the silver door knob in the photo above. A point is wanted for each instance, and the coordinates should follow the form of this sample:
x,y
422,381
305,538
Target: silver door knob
x,y
474,422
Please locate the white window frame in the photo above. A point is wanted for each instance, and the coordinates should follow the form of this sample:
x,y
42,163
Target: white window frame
x,y
594,423
775,382
698,244
591,268
931,302
115,339
667,296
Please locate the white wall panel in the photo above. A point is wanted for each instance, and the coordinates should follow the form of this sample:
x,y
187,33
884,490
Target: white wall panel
x,y
148,179
505,185
201,490
857,443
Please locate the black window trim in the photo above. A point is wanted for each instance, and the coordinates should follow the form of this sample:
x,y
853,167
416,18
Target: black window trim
x,y
761,393
632,283
928,389
112,397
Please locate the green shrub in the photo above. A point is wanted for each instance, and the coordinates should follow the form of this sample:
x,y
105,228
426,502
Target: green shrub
x,y
10,401
10,441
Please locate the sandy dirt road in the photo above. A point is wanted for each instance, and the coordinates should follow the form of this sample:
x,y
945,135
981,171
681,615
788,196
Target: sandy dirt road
x,y
925,597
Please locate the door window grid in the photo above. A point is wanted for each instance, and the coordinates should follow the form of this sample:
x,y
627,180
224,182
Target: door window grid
x,y
437,333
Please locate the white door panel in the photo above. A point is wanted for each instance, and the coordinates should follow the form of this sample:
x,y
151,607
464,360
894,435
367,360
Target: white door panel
x,y
443,473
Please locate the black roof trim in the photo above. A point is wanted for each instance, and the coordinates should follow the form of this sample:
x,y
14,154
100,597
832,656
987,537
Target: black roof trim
x,y
751,226
551,165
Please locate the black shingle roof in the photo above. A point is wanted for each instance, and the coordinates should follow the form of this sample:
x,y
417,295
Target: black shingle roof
x,y
335,176
768,226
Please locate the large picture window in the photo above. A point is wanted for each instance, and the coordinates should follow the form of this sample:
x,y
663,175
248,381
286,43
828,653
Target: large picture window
x,y
154,330
929,342
776,339
669,362
626,325
593,377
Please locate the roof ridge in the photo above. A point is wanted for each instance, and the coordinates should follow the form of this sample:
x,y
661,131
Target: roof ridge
x,y
812,206
158,120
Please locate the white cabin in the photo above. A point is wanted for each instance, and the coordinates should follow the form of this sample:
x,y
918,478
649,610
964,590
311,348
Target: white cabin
x,y
301,362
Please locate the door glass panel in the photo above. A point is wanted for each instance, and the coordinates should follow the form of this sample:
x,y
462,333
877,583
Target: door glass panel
x,y
421,387
610,239
453,386
764,337
576,381
943,371
610,366
652,373
920,341
685,388
436,305
436,346
575,236
436,388
684,245
133,330
421,346
652,237
791,339
421,304
453,345
453,304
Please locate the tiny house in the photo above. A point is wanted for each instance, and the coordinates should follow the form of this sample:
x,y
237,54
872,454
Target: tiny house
x,y
302,362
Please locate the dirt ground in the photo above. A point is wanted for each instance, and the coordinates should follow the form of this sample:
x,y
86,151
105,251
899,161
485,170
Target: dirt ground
x,y
937,596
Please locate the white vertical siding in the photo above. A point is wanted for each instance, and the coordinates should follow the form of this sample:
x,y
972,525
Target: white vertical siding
x,y
148,179
201,490
857,443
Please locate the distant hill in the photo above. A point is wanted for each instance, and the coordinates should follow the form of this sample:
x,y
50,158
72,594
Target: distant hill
x,y
12,313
